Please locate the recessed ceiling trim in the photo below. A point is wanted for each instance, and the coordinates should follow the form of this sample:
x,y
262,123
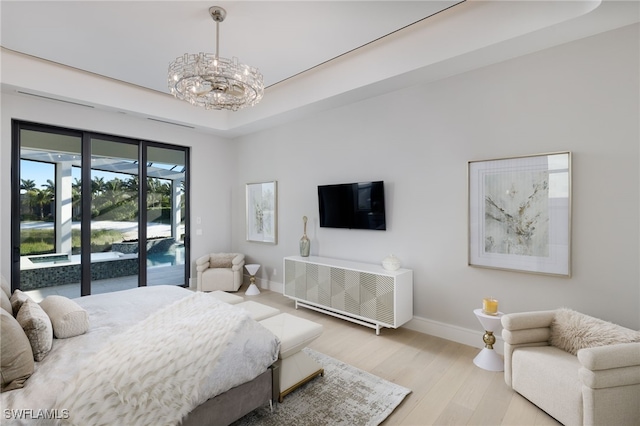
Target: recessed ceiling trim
x,y
169,122
364,45
54,99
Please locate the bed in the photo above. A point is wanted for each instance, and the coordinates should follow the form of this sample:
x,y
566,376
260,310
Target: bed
x,y
152,355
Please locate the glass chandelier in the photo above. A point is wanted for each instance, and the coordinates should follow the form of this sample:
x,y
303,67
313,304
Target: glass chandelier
x,y
213,82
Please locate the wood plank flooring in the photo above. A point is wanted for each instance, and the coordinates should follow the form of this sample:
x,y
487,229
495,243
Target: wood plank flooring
x,y
447,388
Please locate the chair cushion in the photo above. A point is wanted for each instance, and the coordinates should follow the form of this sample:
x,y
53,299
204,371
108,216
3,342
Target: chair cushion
x,y
294,332
37,326
572,331
67,317
16,355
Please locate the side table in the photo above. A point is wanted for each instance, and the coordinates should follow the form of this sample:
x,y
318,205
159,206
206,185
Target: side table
x,y
488,358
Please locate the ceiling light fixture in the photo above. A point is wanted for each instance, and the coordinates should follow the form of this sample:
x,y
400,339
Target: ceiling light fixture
x,y
213,82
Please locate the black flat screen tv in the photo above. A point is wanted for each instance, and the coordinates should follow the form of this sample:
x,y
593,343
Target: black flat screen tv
x,y
352,206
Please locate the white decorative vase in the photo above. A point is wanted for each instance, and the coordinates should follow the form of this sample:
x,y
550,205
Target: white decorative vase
x,y
391,263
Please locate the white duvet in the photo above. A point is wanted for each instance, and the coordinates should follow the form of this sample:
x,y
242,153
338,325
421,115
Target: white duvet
x,y
241,352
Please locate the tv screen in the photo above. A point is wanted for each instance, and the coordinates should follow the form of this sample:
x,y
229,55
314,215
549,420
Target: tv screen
x,y
352,205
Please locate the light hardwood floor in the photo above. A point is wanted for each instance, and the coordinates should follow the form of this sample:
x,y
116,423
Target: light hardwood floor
x,y
447,388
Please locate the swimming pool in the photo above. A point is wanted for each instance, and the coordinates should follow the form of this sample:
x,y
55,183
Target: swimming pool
x,y
174,256
59,268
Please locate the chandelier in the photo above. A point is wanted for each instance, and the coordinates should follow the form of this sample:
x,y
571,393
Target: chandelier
x,y
213,82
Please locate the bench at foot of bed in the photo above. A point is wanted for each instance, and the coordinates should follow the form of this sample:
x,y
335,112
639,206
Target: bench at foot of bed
x,y
295,367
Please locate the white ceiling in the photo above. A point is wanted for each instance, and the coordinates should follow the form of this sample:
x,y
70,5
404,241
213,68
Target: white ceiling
x,y
134,41
310,52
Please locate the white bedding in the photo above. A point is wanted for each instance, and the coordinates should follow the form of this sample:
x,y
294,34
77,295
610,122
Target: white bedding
x,y
246,356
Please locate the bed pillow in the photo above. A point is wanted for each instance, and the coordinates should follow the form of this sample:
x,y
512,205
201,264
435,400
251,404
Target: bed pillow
x,y
17,299
67,317
16,355
5,303
37,326
572,331
6,287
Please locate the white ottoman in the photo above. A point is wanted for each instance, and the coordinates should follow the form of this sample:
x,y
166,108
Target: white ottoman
x,y
258,311
295,333
229,298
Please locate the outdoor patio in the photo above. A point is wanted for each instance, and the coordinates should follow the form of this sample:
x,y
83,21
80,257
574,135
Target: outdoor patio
x,y
162,275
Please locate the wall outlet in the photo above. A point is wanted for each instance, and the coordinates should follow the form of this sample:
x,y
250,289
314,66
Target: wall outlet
x,y
275,272
198,231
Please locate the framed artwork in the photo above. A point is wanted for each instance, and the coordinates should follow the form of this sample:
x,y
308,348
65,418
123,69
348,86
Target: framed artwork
x,y
262,212
520,213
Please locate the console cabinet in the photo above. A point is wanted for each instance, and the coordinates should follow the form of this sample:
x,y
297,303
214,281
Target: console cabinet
x,y
358,292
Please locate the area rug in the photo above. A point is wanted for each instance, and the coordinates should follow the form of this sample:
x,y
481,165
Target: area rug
x,y
345,395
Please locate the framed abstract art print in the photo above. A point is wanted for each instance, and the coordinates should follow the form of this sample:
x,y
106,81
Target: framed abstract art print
x,y
262,212
520,213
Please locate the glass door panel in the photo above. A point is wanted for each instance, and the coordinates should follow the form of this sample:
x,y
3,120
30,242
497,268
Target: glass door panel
x,y
50,211
114,216
96,213
166,215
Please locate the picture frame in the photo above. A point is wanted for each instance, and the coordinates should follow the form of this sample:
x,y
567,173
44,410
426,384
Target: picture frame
x,y
262,212
520,213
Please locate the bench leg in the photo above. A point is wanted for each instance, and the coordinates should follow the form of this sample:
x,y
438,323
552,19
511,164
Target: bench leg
x,y
297,370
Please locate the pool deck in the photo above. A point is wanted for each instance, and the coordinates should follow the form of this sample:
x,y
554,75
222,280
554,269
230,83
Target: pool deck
x,y
163,275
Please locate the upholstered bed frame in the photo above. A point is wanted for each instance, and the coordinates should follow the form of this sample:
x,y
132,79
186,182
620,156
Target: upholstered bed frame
x,y
235,403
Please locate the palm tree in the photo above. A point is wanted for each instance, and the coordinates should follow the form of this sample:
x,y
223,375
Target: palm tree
x,y
27,184
42,198
76,191
27,188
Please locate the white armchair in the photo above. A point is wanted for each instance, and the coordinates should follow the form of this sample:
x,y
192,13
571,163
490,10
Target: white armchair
x,y
220,271
589,379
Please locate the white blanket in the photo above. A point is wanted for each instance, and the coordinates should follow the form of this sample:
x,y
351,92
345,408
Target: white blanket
x,y
246,356
141,377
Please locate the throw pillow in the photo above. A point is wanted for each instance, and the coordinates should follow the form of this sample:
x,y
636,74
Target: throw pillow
x,y
572,331
5,303
6,287
221,260
17,299
67,317
37,326
16,356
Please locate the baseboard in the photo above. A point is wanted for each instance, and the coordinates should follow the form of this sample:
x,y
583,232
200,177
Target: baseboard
x,y
454,333
451,332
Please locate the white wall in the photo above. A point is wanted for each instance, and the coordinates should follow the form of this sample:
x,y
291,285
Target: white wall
x,y
212,164
581,97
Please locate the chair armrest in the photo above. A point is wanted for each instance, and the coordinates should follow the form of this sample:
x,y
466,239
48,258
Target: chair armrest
x,y
202,260
202,268
610,366
526,320
238,260
527,327
610,356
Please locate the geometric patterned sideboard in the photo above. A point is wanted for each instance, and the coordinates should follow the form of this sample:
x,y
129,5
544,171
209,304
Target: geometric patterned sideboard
x,y
358,292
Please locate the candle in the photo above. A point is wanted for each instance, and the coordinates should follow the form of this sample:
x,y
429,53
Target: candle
x,y
490,306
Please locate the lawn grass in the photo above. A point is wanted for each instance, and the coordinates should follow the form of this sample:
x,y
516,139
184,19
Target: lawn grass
x,y
42,241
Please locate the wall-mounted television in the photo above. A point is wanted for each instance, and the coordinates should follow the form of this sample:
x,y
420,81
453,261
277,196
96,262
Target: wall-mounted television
x,y
352,205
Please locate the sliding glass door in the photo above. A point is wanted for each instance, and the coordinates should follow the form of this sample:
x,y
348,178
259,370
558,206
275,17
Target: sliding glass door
x,y
166,214
114,214
86,224
46,235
